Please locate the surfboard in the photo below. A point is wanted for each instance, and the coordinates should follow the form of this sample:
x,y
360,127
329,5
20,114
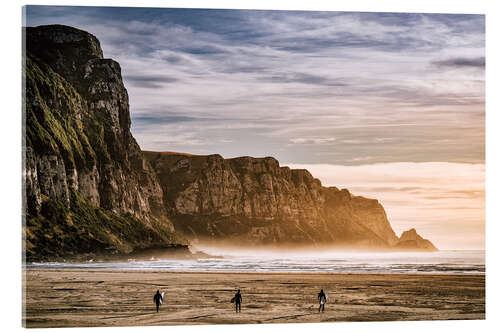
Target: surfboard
x,y
233,299
162,295
323,300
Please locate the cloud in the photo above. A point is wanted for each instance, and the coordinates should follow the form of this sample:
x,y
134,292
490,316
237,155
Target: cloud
x,y
185,139
154,118
303,78
478,62
166,118
149,81
312,141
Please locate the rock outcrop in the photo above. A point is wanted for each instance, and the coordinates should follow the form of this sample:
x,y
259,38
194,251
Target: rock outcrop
x,y
411,241
249,200
88,187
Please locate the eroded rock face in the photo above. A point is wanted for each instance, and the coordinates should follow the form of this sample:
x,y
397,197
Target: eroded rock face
x,y
78,140
254,200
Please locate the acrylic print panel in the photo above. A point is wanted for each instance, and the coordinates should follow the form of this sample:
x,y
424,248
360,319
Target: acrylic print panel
x,y
196,166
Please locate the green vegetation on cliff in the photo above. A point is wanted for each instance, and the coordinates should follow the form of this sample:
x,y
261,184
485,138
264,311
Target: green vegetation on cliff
x,y
88,189
51,125
58,232
58,229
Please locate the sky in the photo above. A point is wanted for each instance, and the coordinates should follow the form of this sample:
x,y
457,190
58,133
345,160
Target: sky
x,y
388,105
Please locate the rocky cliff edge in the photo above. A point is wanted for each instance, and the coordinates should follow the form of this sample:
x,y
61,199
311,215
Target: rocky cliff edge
x,y
88,188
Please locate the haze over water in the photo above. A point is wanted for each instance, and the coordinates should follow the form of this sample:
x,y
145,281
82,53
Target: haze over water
x,y
443,262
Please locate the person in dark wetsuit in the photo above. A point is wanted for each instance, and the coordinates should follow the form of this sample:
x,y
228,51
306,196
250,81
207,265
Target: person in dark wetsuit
x,y
158,300
237,301
322,301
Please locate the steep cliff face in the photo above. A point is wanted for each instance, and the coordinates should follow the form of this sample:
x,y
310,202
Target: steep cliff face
x,y
254,200
87,185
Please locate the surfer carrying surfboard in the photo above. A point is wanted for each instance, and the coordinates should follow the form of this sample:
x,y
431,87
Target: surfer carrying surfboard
x,y
158,299
237,301
322,300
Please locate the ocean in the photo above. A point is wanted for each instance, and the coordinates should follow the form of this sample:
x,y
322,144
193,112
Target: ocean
x,y
442,262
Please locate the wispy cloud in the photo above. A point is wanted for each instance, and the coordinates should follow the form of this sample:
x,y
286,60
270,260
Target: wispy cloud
x,y
478,62
149,81
313,141
303,78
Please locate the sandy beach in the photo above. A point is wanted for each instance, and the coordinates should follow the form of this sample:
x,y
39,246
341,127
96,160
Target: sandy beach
x,y
71,298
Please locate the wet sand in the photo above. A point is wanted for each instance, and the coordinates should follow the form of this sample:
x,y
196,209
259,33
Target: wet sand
x,y
69,298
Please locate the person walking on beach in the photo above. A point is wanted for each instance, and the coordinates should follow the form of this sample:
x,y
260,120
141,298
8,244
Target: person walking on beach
x,y
237,301
322,301
158,299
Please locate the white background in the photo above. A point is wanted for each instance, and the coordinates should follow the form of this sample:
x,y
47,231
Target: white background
x,y
10,141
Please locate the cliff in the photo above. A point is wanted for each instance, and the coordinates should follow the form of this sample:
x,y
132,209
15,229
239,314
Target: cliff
x,y
88,188
249,200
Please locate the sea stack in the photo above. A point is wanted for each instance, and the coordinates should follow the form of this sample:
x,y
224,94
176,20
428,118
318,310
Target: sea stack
x,y
411,241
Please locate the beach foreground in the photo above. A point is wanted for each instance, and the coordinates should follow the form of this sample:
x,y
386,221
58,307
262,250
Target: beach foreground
x,y
69,298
